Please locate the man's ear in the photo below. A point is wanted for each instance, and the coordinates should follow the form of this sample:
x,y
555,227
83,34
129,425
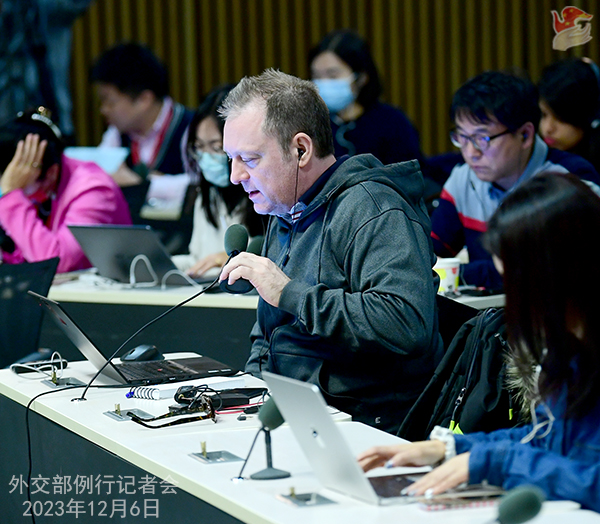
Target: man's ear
x,y
146,97
527,132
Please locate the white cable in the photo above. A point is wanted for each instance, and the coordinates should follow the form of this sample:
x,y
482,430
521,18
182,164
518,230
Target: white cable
x,y
47,369
185,276
132,266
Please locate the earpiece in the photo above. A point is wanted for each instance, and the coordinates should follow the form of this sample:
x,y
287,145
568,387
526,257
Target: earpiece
x,y
300,153
525,135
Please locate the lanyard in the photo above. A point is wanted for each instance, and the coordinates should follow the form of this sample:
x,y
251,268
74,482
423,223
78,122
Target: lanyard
x,y
135,145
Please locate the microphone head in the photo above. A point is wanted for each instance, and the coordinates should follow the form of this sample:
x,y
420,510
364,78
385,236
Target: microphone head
x,y
269,415
236,239
255,245
520,504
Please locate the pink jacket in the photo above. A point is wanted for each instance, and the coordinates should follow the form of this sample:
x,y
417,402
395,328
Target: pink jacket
x,y
85,195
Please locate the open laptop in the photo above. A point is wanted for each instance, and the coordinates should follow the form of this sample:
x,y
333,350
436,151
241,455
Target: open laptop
x,y
112,249
134,373
328,453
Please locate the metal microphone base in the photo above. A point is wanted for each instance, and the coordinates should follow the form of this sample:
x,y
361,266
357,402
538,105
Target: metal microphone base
x,y
270,474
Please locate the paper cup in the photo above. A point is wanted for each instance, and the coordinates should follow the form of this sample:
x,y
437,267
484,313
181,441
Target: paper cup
x,y
447,269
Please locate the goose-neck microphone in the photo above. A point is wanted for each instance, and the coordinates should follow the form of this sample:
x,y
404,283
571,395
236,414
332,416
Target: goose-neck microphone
x,y
236,241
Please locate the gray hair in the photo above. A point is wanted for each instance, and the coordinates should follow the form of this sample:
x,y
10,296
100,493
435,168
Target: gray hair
x,y
291,106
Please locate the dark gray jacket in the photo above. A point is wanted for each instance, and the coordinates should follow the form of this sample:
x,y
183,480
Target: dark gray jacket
x,y
359,315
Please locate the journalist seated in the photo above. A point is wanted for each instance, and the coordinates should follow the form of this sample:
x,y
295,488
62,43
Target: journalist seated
x,y
42,192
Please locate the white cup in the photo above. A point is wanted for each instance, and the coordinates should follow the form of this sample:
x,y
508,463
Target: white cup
x,y
448,270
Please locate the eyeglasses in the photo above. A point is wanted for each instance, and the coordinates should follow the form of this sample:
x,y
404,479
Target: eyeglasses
x,y
214,146
480,142
40,114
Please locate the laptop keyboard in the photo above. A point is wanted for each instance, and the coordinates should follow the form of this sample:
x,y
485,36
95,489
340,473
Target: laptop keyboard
x,y
153,368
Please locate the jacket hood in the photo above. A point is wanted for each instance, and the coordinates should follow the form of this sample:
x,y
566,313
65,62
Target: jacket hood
x,y
405,178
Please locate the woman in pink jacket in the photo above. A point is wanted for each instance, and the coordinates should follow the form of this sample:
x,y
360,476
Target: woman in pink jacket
x,y
42,192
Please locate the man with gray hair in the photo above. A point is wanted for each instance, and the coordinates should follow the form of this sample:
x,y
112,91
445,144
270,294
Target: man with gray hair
x,y
347,291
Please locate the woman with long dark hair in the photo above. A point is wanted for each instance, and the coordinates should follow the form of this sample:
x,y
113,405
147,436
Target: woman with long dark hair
x,y
570,103
541,238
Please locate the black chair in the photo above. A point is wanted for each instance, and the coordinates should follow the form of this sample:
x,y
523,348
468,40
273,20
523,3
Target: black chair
x,y
20,314
451,316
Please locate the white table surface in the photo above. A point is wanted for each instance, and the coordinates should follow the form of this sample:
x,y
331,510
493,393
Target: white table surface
x,y
93,290
165,453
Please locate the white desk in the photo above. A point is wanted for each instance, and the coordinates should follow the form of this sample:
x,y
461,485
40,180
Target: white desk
x,y
482,302
205,492
85,292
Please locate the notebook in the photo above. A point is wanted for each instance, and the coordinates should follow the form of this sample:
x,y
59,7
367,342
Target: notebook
x,y
328,453
112,249
134,373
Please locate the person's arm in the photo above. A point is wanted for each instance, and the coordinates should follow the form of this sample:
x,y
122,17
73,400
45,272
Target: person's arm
x,y
92,200
388,298
447,231
509,464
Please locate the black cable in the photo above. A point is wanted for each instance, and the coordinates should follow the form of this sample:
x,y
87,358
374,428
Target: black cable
x,y
28,433
116,352
239,477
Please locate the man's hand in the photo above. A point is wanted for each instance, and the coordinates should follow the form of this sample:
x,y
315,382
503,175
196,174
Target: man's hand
x,y
26,165
268,279
126,177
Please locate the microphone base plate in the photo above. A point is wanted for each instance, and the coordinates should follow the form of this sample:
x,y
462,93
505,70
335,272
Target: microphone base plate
x,y
270,474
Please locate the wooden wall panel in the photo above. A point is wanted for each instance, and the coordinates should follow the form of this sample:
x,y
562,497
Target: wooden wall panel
x,y
424,49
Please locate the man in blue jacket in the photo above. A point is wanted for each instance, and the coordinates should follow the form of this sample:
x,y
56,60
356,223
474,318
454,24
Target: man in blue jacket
x,y
496,115
345,278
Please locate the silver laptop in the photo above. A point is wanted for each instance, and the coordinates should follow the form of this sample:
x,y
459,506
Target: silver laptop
x,y
112,249
134,373
334,464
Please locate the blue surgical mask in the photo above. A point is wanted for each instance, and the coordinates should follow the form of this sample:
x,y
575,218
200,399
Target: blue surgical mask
x,y
336,92
215,168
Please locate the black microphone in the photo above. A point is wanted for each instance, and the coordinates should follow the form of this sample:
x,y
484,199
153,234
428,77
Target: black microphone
x,y
269,415
270,418
255,245
236,241
520,504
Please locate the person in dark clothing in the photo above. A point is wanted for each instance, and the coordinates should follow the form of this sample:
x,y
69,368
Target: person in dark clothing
x,y
496,115
345,73
345,277
133,89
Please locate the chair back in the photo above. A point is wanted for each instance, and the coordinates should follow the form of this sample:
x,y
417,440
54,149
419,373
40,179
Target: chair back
x,y
20,314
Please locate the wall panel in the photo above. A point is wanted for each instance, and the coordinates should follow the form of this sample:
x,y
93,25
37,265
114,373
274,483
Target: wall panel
x,y
424,48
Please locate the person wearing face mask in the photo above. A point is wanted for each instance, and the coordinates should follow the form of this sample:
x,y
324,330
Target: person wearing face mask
x,y
219,203
345,74
42,192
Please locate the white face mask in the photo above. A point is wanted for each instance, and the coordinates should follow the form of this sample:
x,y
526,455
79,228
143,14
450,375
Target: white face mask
x,y
215,168
336,92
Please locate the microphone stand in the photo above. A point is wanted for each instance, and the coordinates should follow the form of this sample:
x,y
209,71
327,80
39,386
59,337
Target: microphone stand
x,y
269,473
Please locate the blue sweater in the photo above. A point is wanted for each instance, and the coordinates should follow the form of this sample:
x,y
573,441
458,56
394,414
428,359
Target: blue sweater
x,y
565,464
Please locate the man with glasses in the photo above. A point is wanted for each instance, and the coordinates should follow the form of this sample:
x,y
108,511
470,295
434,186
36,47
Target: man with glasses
x,y
496,115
